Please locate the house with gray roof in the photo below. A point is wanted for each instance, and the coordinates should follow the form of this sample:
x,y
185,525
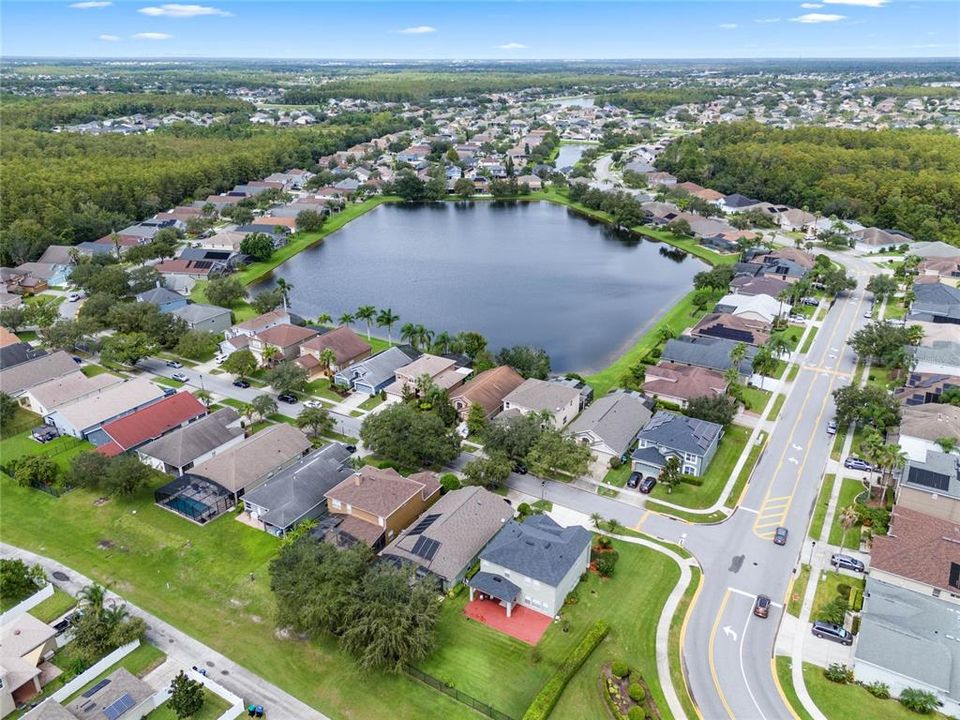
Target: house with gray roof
x,y
16,380
297,493
707,352
909,640
375,373
165,300
535,564
611,424
177,452
669,434
935,249
936,303
444,542
199,316
941,356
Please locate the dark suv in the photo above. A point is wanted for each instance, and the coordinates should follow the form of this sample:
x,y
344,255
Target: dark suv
x,y
847,563
780,537
634,480
647,485
830,631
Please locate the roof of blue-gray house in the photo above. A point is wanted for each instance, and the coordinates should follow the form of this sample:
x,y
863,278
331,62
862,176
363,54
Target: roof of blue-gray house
x,y
935,300
706,352
538,548
381,367
679,432
160,296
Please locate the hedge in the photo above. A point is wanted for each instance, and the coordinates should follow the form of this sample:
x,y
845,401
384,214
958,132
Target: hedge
x,y
549,694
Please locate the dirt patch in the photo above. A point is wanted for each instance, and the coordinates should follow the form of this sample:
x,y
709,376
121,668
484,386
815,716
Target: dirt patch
x,y
101,501
106,544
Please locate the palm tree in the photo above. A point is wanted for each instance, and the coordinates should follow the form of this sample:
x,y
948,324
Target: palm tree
x,y
892,457
284,289
92,598
442,342
204,396
386,318
324,319
778,345
596,519
327,358
408,333
947,444
424,336
762,362
737,354
849,517
614,526
269,354
345,319
368,314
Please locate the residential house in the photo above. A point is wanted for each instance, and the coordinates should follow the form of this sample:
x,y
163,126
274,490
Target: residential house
x,y
940,357
936,303
871,238
165,300
487,389
27,645
376,505
19,377
8,338
347,347
907,640
178,451
738,203
946,269
85,416
935,249
298,492
442,371
537,396
43,398
60,260
733,327
120,694
921,388
922,425
372,375
762,285
678,384
444,542
238,336
707,352
669,434
586,392
284,339
16,353
610,425
208,318
755,308
794,220
131,431
932,486
534,564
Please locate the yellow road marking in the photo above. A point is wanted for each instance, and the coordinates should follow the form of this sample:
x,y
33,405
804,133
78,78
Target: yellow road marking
x,y
783,697
641,520
713,666
683,639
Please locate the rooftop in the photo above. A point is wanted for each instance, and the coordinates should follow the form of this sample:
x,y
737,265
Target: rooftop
x,y
382,492
538,395
681,433
538,548
185,445
615,419
154,420
920,547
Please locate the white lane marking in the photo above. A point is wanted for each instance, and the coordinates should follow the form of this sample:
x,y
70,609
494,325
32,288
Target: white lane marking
x,y
793,460
730,632
752,596
749,510
798,448
743,672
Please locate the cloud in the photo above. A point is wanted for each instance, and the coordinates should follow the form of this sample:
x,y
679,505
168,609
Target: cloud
x,y
814,18
108,38
727,26
811,6
418,30
176,10
91,4
152,36
767,21
512,46
862,3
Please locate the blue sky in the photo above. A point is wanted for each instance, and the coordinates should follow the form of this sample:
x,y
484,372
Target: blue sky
x,y
507,29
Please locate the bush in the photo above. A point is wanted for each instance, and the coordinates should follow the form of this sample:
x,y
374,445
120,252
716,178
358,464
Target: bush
x,y
619,669
549,694
691,480
879,690
636,713
834,611
636,692
615,463
606,562
838,673
449,482
920,701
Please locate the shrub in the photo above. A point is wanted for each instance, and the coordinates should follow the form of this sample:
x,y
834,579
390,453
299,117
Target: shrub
x,y
879,690
834,611
524,510
636,692
838,673
619,668
604,542
636,713
691,480
606,562
549,694
920,701
572,598
449,482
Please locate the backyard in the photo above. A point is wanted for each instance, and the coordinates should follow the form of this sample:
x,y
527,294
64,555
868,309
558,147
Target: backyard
x,y
213,707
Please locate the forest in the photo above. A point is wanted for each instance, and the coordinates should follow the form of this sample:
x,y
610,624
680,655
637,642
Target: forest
x,y
652,101
896,179
67,188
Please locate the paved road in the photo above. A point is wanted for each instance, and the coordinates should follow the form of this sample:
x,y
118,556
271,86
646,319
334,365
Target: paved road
x,y
184,649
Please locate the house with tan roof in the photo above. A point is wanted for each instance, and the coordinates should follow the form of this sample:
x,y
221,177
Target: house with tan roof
x,y
286,339
376,505
27,644
43,398
347,347
536,396
922,425
678,384
487,389
610,425
16,380
83,417
443,372
732,327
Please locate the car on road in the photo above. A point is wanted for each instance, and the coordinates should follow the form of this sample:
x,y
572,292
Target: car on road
x,y
519,468
220,358
832,427
351,448
180,377
288,398
174,364
846,562
78,361
855,463
312,404
634,480
780,536
761,606
73,297
241,383
832,631
869,314
647,485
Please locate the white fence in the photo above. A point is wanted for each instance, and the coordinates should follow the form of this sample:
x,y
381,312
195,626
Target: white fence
x,y
235,710
26,605
80,680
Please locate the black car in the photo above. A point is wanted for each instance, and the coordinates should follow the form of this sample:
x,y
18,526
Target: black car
x,y
780,536
761,608
847,563
351,448
288,398
831,631
241,383
634,480
647,485
519,468
855,463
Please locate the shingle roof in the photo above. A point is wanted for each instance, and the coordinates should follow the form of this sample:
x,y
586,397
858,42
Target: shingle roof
x,y
681,433
285,335
382,492
108,403
489,388
273,317
539,395
935,249
683,381
919,547
185,445
495,586
344,342
615,419
939,473
159,296
936,299
930,421
198,312
538,548
381,367
154,420
70,387
726,327
20,377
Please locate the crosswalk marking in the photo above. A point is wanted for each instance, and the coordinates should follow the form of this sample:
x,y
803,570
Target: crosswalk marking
x,y
771,516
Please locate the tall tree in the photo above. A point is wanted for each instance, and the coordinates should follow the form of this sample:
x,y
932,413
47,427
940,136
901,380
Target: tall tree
x,y
186,696
671,473
366,313
387,318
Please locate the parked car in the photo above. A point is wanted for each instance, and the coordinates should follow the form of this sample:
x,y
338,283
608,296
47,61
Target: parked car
x,y
519,468
173,364
241,383
869,314
761,607
780,536
288,398
168,391
832,631
811,301
77,360
180,377
351,448
73,297
647,485
832,427
220,358
634,480
312,404
855,463
846,562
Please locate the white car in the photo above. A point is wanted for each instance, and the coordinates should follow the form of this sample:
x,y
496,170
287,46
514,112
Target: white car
x,y
180,377
312,404
220,358
74,297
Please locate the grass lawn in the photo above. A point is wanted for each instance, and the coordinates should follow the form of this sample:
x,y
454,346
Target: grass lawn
x,y
776,369
27,336
371,402
22,420
169,382
797,591
839,702
809,341
792,335
794,370
198,579
321,388
92,370
784,670
830,586
239,405
716,476
54,606
618,476
59,450
213,707
734,498
755,399
883,377
714,517
849,489
894,310
777,406
823,504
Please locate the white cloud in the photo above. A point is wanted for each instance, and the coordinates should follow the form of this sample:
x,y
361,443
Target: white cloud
x,y
90,5
108,38
152,36
811,6
728,26
512,46
418,30
814,18
176,10
862,3
767,21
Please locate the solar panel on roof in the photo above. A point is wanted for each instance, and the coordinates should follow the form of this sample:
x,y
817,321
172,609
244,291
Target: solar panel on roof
x,y
119,706
929,479
202,264
425,548
96,688
424,524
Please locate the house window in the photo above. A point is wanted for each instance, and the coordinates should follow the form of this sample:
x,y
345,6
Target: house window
x,y
690,457
689,470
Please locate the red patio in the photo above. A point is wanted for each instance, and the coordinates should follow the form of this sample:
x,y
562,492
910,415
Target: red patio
x,y
524,624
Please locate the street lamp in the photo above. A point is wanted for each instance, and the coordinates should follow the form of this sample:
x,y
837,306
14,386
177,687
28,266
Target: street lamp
x,y
543,485
813,544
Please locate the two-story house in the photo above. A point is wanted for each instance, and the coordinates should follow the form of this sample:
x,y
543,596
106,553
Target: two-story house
x,y
537,396
347,348
669,434
285,340
443,372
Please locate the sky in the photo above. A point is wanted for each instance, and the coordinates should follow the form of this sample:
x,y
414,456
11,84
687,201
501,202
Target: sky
x,y
495,29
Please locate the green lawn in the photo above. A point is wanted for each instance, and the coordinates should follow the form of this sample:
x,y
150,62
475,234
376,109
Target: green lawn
x,y
371,402
883,377
618,476
849,489
830,586
755,399
823,504
809,341
92,370
716,476
59,450
169,382
321,388
894,310
198,579
784,669
213,707
734,498
797,590
777,406
794,370
54,606
792,335
696,518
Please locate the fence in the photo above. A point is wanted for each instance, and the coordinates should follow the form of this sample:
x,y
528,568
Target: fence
x,y
461,697
90,673
31,602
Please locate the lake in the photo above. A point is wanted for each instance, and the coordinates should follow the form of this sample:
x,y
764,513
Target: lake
x,y
519,273
570,153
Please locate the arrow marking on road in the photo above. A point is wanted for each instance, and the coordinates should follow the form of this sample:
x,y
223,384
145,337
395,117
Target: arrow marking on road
x,y
798,448
793,460
730,632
